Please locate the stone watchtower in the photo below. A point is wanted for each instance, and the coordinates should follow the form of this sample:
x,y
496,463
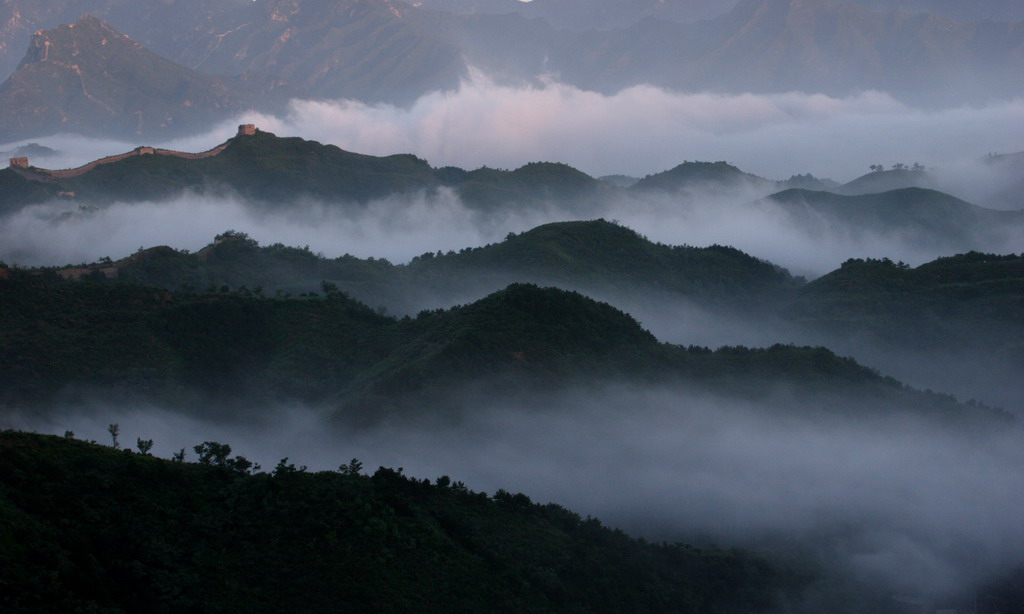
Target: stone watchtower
x,y
247,130
19,162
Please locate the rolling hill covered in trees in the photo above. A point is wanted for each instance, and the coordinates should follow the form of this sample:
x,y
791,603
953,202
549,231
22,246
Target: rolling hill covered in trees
x,y
68,341
88,526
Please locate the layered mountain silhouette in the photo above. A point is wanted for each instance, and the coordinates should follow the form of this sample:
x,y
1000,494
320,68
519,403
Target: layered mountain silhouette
x,y
387,50
65,341
965,307
265,170
918,216
810,45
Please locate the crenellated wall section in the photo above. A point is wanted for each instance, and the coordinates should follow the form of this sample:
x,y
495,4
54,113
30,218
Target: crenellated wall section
x,y
21,166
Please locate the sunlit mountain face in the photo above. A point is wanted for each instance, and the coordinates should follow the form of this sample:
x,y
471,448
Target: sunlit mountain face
x,y
741,279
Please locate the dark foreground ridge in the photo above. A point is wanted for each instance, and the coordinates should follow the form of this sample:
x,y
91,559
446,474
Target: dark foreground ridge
x,y
91,528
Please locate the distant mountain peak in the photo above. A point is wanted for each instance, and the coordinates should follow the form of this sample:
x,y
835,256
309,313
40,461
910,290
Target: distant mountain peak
x,y
87,77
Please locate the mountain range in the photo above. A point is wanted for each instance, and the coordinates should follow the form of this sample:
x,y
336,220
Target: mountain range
x,y
859,431
387,50
946,312
240,352
89,79
281,172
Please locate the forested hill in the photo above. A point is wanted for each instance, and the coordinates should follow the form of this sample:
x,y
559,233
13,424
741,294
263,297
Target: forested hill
x,y
969,300
594,257
65,342
706,175
91,528
280,171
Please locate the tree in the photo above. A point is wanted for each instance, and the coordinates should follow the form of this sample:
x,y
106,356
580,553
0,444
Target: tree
x,y
329,288
213,453
144,445
114,429
216,455
284,468
354,467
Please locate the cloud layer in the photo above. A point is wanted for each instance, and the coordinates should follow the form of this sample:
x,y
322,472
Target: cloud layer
x,y
644,129
637,131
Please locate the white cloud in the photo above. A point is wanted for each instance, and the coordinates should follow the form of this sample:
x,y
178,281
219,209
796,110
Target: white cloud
x,y
644,129
639,130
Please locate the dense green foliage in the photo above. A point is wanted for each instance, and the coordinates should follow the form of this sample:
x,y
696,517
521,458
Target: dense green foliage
x,y
595,257
89,528
966,300
68,340
970,300
18,191
600,255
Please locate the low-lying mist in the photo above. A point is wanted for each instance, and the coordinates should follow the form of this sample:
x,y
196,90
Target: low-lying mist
x,y
898,504
403,226
396,228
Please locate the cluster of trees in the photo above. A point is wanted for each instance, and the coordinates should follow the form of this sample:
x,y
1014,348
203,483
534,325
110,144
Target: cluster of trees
x,y
899,166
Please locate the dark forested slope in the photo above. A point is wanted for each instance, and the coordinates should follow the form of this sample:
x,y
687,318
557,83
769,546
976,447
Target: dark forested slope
x,y
236,352
90,528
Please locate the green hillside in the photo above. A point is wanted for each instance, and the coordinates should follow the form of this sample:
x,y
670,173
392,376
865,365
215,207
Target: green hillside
x,y
85,527
605,257
698,175
235,352
260,167
268,170
919,216
591,256
19,192
971,302
967,300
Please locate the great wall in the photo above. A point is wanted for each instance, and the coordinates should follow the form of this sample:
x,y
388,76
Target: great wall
x,y
23,168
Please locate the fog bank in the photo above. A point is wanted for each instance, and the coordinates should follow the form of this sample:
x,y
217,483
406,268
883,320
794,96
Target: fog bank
x,y
403,226
901,504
